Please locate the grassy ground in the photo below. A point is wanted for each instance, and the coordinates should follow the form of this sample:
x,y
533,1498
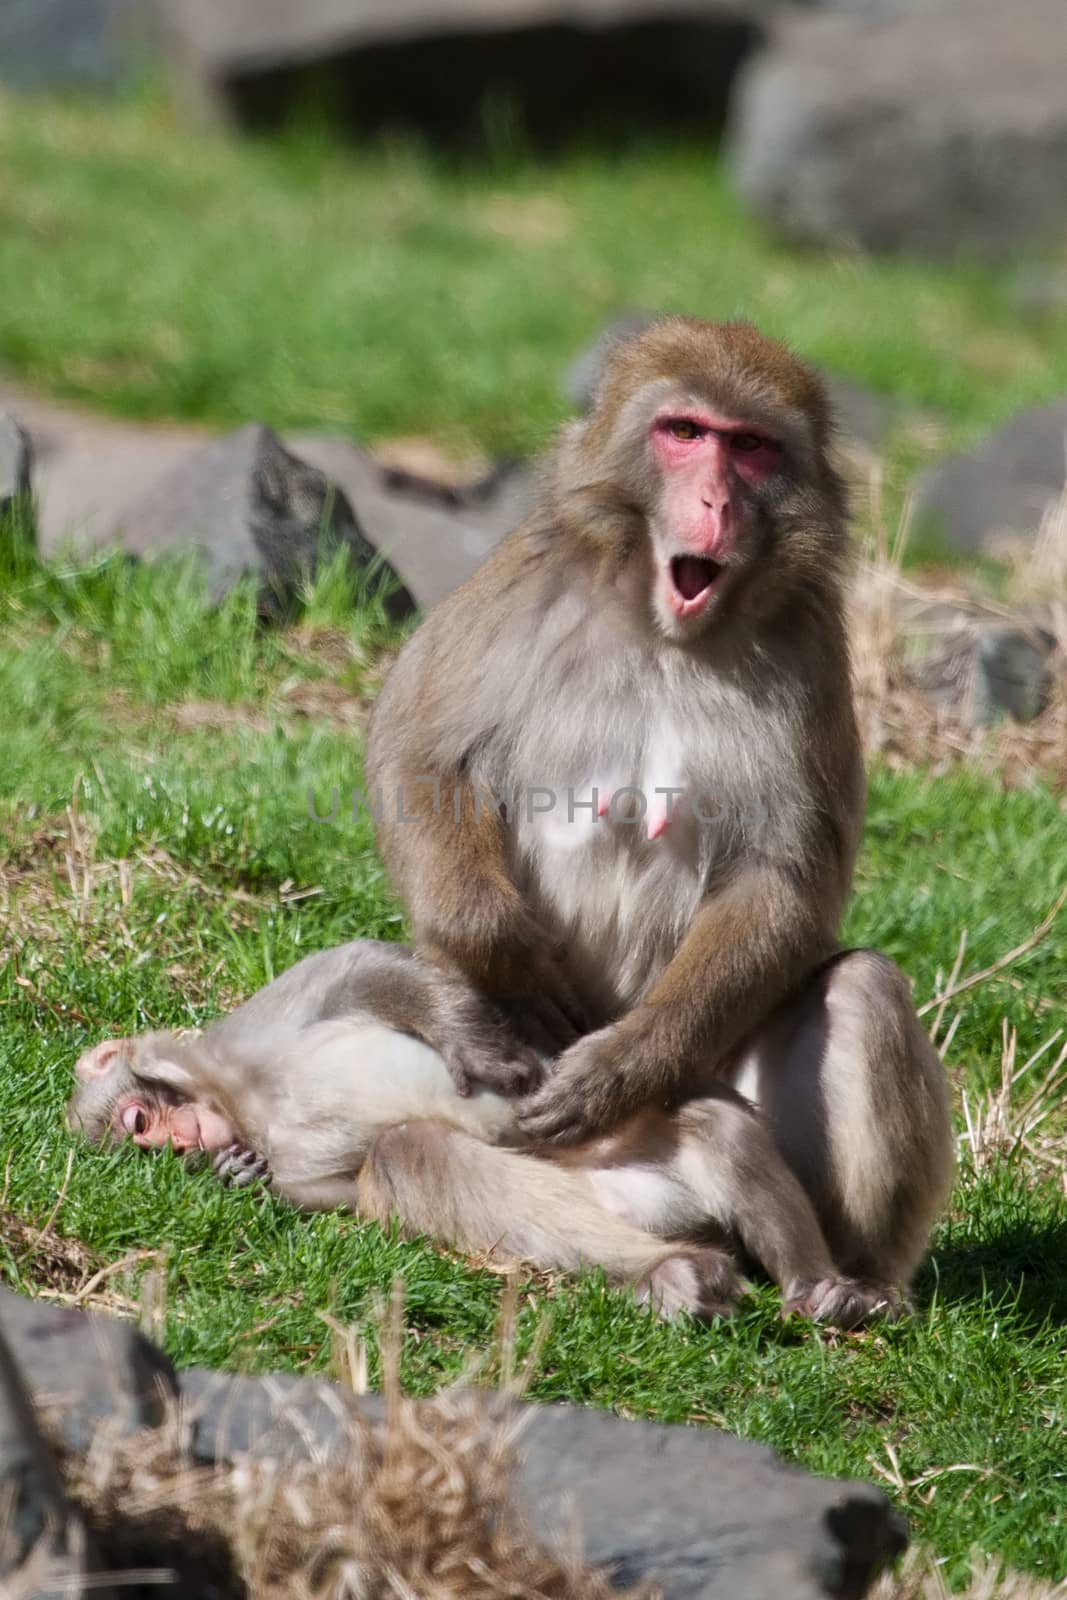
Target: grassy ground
x,y
157,860
160,861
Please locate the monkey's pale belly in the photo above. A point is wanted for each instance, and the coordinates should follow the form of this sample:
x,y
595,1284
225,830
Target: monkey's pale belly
x,y
620,830
618,900
392,1077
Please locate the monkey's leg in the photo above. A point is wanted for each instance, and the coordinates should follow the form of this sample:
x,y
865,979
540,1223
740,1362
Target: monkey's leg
x,y
713,1167
480,1198
856,1099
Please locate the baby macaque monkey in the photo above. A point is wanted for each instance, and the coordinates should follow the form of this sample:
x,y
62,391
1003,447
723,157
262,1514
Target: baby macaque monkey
x,y
365,1078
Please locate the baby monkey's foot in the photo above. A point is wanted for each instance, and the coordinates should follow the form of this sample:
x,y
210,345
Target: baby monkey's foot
x,y
700,1282
237,1167
846,1303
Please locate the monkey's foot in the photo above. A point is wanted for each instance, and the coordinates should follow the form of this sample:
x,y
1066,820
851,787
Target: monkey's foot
x,y
237,1167
702,1282
847,1303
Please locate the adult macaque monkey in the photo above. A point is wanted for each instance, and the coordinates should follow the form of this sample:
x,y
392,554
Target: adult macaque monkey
x,y
306,1084
652,676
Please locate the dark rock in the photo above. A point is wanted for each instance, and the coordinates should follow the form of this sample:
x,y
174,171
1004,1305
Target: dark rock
x,y
701,1512
87,44
85,1368
39,1531
862,417
433,536
978,672
249,506
560,64
707,1514
15,463
1004,485
942,132
278,1416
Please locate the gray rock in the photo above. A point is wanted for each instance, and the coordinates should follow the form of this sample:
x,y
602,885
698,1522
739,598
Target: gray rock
x,y
703,1513
862,417
582,378
85,1368
89,470
87,44
1040,291
1004,485
879,9
249,506
279,1416
942,132
15,463
93,477
434,537
40,1534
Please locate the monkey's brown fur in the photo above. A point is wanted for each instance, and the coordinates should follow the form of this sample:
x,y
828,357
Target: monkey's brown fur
x,y
573,659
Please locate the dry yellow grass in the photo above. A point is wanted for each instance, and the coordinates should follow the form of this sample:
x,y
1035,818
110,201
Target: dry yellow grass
x,y
897,721
418,1507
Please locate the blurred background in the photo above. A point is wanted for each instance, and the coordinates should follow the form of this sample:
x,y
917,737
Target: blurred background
x,y
408,223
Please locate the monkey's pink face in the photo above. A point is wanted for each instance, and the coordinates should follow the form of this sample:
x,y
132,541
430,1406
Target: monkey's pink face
x,y
185,1124
710,467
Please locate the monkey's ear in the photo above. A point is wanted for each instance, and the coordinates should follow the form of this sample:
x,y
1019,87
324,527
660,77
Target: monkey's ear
x,y
98,1061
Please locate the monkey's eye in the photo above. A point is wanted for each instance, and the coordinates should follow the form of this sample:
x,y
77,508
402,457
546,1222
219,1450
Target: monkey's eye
x,y
682,428
134,1119
749,442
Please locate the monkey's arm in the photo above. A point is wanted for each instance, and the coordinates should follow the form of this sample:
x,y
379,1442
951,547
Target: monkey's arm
x,y
444,1011
439,828
469,917
748,946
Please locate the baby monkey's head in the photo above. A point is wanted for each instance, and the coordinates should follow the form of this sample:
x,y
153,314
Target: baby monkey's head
x,y
142,1089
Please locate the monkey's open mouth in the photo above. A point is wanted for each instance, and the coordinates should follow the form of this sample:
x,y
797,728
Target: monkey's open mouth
x,y
693,576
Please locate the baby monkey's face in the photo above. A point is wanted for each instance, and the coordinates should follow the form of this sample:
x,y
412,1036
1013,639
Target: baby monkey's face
x,y
152,1118
119,1096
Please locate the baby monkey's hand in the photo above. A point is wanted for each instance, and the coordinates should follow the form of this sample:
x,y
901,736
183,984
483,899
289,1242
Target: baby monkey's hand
x,y
237,1167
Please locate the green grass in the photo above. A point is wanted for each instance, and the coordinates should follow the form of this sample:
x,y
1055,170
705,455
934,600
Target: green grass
x,y
209,815
157,860
383,290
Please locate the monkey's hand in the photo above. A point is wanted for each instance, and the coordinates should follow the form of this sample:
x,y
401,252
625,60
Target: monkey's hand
x,y
480,1047
237,1167
500,1062
588,1092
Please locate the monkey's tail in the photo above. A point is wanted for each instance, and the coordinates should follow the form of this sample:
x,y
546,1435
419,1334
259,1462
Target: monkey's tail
x,y
439,1181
